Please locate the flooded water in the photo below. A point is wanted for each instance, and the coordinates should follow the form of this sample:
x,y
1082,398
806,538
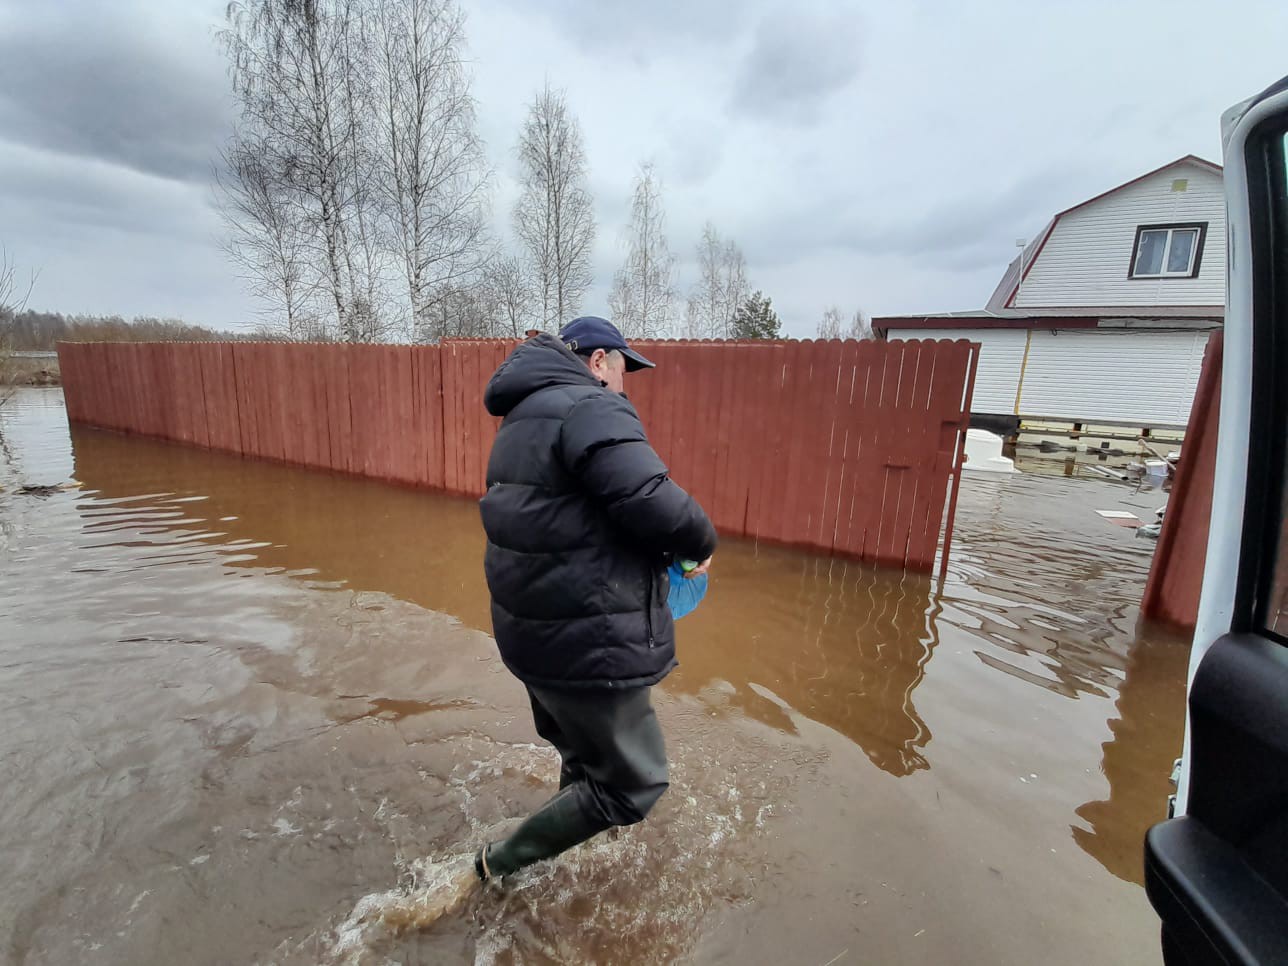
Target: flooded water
x,y
239,698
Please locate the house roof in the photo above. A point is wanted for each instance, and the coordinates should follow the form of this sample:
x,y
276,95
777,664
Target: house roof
x,y
1159,317
1005,292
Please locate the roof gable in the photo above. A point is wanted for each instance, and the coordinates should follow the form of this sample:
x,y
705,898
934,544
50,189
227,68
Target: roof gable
x,y
1005,292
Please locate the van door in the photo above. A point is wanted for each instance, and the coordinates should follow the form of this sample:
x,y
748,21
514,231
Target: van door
x,y
1217,873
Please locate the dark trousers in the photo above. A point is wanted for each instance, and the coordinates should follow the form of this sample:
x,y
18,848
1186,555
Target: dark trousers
x,y
611,745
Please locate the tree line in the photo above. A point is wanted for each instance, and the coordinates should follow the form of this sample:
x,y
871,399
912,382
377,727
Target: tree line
x,y
29,330
357,193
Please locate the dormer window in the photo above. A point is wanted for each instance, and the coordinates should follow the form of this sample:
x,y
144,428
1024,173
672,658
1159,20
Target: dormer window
x,y
1168,251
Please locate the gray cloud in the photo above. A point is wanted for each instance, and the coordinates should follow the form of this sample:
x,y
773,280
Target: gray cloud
x,y
958,233
83,82
864,154
693,151
643,31
797,61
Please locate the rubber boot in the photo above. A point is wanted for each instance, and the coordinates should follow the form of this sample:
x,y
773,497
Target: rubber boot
x,y
556,827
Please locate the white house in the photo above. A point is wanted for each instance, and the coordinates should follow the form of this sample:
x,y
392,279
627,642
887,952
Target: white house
x,y
1104,316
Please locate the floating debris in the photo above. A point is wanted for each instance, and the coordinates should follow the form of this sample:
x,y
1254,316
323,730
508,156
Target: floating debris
x,y
41,489
1121,518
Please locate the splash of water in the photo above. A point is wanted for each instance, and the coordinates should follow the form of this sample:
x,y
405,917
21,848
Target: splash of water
x,y
439,887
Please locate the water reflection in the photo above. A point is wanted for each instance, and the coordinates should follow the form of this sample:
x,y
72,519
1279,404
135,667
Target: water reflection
x,y
843,643
424,549
1137,760
1044,580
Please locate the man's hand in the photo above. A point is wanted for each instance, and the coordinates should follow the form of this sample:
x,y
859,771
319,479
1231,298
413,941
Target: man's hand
x,y
701,568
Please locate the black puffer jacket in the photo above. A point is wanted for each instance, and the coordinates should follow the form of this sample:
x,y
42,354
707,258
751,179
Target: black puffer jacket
x,y
581,519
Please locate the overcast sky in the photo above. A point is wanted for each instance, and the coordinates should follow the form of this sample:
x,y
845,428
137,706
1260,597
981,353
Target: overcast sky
x,y
877,155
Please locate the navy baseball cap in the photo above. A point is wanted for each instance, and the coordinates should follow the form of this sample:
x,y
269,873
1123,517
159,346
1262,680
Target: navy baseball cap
x,y
590,332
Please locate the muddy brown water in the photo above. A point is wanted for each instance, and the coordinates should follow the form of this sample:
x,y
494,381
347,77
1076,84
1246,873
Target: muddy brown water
x,y
238,697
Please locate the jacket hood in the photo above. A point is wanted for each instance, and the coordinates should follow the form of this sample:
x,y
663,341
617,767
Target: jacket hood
x,y
541,362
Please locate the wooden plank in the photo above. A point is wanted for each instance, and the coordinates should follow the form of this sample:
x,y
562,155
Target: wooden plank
x,y
480,419
908,420
669,379
339,405
314,375
698,415
878,537
951,374
872,471
817,430
730,504
923,444
244,360
785,495
452,442
766,437
420,428
835,459
849,420
434,409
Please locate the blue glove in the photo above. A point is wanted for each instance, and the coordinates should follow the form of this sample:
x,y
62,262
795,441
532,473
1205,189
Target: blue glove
x,y
686,593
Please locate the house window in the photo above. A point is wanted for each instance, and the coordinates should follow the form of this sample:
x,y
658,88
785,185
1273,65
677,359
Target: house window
x,y
1168,251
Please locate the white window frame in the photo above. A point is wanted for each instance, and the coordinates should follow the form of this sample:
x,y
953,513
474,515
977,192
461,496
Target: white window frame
x,y
1196,250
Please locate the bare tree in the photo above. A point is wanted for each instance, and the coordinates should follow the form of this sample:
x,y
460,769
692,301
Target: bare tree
x,y
433,175
830,326
833,325
463,311
13,299
513,294
300,71
643,295
554,217
14,293
268,238
721,288
860,326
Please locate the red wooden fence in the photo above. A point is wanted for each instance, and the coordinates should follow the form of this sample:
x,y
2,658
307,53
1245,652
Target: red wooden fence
x,y
1176,574
848,447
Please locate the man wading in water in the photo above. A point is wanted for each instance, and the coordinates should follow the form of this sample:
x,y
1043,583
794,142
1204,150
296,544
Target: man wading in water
x,y
582,521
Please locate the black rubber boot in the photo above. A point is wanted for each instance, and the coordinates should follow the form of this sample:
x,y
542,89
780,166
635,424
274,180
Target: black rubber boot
x,y
556,827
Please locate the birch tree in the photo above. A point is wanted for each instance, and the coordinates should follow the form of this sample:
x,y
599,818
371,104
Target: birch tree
x,y
298,73
643,295
268,239
554,216
432,172
721,287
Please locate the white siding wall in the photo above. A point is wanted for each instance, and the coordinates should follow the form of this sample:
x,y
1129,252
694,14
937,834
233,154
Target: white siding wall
x,y
1086,259
1136,377
997,375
